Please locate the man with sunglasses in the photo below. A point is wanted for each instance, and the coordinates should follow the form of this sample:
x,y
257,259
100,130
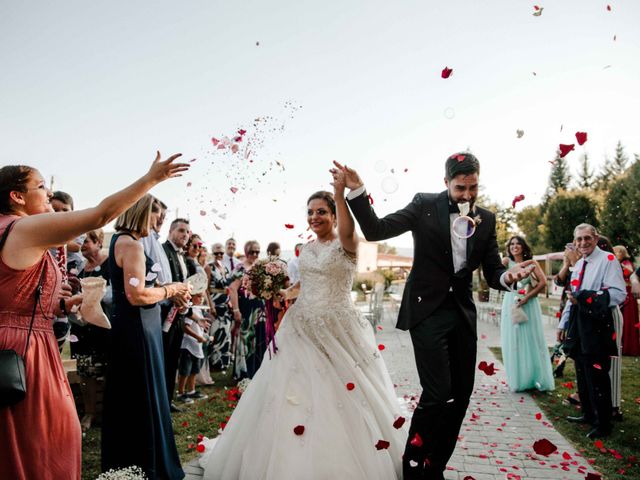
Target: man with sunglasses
x,y
586,327
228,258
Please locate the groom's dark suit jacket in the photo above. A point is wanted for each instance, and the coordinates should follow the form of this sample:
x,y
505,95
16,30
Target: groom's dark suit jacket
x,y
432,275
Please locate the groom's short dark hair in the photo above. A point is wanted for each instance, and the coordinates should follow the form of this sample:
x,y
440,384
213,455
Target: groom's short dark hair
x,y
464,163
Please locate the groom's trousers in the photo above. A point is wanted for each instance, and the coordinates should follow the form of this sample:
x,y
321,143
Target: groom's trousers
x,y
444,346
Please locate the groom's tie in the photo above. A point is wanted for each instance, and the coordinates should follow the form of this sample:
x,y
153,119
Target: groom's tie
x,y
453,208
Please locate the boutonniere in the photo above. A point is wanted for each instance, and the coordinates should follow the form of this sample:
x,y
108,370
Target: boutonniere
x,y
477,220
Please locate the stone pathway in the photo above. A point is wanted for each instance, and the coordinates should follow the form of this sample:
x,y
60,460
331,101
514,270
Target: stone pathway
x,y
497,436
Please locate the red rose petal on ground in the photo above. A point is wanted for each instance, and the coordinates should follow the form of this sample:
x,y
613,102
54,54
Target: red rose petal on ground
x,y
200,414
482,365
581,137
382,445
399,422
298,430
233,189
416,441
589,300
190,446
350,386
565,149
568,385
598,444
566,456
381,347
446,72
185,424
289,226
593,476
200,448
544,447
538,416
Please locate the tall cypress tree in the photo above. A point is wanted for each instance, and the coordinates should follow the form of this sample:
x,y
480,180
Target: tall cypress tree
x,y
585,173
559,179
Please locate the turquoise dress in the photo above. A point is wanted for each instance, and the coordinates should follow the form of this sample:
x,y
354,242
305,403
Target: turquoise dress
x,y
525,354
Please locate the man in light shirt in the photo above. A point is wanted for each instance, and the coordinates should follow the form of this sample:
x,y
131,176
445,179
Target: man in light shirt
x,y
293,267
228,260
586,327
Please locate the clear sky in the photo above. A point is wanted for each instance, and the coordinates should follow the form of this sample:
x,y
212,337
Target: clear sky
x,y
89,91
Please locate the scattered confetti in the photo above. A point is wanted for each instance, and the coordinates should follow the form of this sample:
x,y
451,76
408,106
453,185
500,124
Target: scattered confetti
x,y
598,444
203,213
233,189
399,422
611,257
200,448
416,441
350,386
151,276
298,430
134,282
381,347
446,72
608,8
72,338
370,199
538,416
519,133
488,369
289,226
537,10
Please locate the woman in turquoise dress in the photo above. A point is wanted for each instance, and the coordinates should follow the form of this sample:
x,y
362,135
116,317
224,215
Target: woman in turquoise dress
x,y
524,350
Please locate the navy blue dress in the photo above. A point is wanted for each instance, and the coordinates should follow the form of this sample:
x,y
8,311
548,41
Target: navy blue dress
x,y
137,426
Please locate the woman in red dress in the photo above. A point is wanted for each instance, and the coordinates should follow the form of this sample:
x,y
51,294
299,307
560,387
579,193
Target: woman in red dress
x,y
40,435
630,332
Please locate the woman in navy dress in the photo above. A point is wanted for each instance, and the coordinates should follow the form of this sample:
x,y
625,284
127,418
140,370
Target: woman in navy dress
x,y
137,426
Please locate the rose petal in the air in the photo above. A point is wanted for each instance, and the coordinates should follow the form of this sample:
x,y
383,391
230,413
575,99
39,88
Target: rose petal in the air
x,y
416,441
565,149
381,347
581,137
446,72
351,386
289,226
399,422
298,430
233,189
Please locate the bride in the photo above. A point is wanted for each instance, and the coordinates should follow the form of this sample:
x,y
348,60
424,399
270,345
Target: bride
x,y
323,407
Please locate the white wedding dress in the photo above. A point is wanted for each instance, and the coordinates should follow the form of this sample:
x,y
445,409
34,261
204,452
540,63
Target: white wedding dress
x,y
324,344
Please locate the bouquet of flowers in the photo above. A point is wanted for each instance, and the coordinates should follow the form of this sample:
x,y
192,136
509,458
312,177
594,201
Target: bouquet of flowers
x,y
266,278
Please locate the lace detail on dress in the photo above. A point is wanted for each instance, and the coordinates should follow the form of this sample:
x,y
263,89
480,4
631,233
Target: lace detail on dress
x,y
324,308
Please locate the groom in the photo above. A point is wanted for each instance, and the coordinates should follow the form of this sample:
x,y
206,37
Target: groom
x,y
437,306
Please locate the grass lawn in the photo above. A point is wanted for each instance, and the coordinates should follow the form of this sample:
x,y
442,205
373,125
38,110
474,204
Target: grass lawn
x,y
617,458
202,417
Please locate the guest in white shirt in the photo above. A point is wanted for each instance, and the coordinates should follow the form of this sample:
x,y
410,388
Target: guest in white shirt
x,y
293,267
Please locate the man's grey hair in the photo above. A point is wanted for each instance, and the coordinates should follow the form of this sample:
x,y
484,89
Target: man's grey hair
x,y
218,244
585,226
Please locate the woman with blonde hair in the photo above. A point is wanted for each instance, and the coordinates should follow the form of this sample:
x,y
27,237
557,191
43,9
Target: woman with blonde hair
x,y
135,395
40,432
630,333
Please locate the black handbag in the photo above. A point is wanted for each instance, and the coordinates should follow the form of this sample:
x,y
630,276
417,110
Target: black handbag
x,y
13,381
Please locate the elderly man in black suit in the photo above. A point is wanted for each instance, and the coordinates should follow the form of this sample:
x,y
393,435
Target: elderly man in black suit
x,y
437,306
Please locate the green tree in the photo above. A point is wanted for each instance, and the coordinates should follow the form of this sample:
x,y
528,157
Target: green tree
x,y
530,223
564,212
559,179
505,218
614,223
612,168
585,173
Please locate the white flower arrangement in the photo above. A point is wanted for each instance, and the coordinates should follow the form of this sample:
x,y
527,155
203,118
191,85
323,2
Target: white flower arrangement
x,y
243,384
129,473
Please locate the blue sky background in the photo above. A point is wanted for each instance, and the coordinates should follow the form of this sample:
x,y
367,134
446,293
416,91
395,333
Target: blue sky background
x,y
89,91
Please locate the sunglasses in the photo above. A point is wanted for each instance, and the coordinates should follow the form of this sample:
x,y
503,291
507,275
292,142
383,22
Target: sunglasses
x,y
218,253
254,252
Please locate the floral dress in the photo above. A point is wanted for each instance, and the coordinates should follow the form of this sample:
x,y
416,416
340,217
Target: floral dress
x,y
219,350
251,341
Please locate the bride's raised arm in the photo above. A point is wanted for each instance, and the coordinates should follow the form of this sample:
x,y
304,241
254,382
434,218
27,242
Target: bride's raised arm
x,y
346,226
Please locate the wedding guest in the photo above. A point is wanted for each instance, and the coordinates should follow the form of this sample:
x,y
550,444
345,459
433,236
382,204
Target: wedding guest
x,y
220,357
152,245
249,329
179,233
630,333
273,250
192,251
597,289
135,397
229,259
292,266
45,422
191,352
524,349
90,349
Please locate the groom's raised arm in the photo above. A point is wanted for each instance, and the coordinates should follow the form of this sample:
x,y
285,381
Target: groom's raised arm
x,y
392,225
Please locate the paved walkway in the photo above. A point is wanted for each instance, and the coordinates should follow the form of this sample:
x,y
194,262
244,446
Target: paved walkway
x,y
497,436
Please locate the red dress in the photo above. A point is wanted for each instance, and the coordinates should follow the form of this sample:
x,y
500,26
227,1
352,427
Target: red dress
x,y
630,333
40,436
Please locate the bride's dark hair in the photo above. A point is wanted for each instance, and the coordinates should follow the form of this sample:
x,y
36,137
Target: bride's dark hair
x,y
327,197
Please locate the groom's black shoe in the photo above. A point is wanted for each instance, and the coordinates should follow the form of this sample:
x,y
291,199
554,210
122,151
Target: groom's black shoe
x,y
580,419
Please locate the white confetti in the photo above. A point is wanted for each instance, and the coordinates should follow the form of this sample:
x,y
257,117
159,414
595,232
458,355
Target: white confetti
x,y
413,463
150,276
156,267
134,282
73,339
73,271
519,133
419,299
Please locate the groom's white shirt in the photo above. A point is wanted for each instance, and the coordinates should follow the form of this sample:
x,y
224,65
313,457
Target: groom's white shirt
x,y
458,245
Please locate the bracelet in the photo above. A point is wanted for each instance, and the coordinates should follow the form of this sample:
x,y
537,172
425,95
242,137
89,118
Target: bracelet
x,y
236,310
166,292
63,306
